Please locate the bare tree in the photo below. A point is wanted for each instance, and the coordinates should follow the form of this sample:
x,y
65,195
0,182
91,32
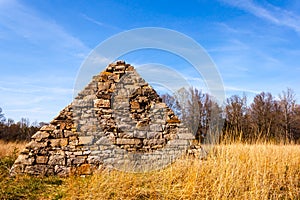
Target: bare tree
x,y
263,115
198,111
288,104
296,125
264,120
189,107
171,103
2,118
235,113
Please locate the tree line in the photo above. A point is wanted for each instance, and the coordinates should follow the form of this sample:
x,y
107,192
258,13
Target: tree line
x,y
266,119
17,131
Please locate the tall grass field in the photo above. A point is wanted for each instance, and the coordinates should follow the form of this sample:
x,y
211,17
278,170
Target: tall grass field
x,y
235,171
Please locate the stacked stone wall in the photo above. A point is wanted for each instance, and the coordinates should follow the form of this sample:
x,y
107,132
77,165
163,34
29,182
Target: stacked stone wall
x,y
117,120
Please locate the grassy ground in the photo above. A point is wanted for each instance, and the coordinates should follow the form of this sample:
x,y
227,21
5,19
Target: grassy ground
x,y
24,187
235,171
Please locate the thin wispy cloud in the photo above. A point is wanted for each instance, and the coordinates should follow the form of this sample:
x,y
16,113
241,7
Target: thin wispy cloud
x,y
36,99
32,94
30,110
31,85
231,30
37,89
238,89
29,24
99,23
230,46
269,13
28,100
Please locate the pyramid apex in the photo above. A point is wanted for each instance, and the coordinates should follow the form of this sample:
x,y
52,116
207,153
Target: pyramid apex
x,y
119,65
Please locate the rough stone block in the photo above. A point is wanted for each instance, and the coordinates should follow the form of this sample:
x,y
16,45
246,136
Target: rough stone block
x,y
77,153
68,133
73,140
36,169
17,169
96,152
103,141
157,146
56,160
120,67
135,105
186,136
129,68
24,159
160,106
102,86
79,160
152,142
58,142
140,134
36,145
48,128
38,136
95,160
87,152
114,77
41,159
180,142
62,171
159,121
57,133
156,127
173,120
102,103
85,140
126,141
55,142
153,135
64,142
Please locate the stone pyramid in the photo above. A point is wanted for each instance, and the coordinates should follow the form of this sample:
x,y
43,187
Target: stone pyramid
x,y
117,121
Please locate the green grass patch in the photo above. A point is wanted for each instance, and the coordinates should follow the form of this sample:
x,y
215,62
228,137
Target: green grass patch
x,y
27,187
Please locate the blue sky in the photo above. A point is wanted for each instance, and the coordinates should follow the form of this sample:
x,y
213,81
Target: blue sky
x,y
254,44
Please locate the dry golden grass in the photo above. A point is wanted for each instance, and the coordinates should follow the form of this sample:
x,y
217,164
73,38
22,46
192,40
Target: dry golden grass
x,y
236,171
230,172
8,148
